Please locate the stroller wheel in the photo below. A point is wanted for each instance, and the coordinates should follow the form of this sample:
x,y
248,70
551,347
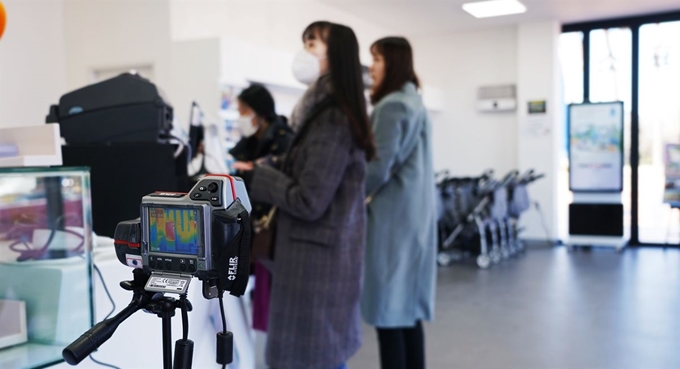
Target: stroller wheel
x,y
483,261
444,259
495,256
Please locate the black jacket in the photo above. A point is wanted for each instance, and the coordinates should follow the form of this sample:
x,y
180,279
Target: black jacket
x,y
274,142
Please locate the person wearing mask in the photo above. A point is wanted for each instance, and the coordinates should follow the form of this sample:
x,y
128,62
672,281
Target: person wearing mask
x,y
264,134
400,264
315,321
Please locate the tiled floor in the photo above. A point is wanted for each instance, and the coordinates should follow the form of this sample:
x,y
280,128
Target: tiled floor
x,y
555,309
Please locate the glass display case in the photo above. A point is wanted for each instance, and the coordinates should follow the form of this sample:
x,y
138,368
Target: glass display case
x,y
45,263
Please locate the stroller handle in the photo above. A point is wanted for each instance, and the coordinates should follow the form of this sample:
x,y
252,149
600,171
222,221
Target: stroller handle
x,y
442,175
509,178
532,178
487,174
537,177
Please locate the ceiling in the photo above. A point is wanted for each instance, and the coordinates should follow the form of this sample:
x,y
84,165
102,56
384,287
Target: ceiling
x,y
436,17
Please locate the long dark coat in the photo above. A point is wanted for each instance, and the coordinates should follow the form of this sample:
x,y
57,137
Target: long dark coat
x,y
314,315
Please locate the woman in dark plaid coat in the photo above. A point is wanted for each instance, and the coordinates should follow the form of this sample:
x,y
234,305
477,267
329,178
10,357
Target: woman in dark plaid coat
x,y
314,315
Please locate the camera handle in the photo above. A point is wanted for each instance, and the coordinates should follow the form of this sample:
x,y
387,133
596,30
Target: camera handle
x,y
152,302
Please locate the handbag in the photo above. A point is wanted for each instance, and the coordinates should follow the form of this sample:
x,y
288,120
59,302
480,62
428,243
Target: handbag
x,y
264,229
263,236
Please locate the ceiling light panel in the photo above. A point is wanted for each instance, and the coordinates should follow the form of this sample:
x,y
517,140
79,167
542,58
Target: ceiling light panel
x,y
494,8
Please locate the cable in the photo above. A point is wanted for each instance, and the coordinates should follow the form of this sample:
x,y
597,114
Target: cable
x,y
113,309
181,146
545,225
224,318
29,252
106,289
185,317
102,364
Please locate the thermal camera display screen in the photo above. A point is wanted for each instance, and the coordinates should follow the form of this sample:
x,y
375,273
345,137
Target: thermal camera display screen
x,y
174,230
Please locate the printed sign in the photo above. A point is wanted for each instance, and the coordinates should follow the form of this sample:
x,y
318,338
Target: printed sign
x,y
596,147
671,194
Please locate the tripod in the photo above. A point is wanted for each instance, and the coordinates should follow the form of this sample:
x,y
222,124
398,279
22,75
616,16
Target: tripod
x,y
162,306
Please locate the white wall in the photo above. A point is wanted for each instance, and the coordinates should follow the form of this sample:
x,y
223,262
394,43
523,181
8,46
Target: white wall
x,y
117,33
277,24
465,141
541,137
195,71
32,61
112,34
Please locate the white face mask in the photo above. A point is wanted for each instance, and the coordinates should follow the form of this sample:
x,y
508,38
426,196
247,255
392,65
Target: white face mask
x,y
245,125
306,67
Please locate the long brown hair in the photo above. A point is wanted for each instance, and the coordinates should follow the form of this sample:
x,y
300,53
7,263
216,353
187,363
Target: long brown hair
x,y
398,56
346,78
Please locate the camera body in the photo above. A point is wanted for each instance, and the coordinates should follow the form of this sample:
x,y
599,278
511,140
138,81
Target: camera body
x,y
204,233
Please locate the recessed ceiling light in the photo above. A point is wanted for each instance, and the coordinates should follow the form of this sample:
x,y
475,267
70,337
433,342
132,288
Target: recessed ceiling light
x,y
494,8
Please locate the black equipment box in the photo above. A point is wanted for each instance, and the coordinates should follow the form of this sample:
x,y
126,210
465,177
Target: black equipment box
x,y
126,108
121,174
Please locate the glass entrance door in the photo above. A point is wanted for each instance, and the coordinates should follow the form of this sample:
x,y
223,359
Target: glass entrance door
x,y
659,134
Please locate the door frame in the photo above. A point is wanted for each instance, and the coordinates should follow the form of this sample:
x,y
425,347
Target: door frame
x,y
634,23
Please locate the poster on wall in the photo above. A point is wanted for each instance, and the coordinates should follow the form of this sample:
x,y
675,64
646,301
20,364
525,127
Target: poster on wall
x,y
596,147
671,193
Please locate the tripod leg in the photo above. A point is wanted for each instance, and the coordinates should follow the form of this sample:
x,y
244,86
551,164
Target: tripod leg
x,y
167,341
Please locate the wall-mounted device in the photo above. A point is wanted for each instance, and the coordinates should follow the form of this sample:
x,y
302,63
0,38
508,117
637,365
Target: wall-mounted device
x,y
502,98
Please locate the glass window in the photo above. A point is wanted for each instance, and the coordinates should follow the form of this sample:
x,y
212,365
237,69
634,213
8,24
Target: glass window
x,y
571,65
571,61
611,70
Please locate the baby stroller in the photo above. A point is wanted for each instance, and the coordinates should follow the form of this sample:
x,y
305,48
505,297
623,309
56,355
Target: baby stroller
x,y
464,204
519,202
479,215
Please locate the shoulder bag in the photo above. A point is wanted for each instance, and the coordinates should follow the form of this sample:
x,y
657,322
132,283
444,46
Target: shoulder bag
x,y
264,228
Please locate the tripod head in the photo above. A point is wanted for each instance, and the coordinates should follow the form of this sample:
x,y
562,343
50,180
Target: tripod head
x,y
154,303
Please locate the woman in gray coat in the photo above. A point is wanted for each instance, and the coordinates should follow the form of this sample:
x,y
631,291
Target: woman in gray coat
x,y
400,269
314,317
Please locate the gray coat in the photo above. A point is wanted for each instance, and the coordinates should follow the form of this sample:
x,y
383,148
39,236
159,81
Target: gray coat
x,y
400,269
314,315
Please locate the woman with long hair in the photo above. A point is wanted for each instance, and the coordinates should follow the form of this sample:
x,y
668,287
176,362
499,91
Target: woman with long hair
x,y
400,264
319,191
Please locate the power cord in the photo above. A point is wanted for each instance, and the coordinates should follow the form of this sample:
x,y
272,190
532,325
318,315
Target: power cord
x,y
185,317
113,309
224,318
543,222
